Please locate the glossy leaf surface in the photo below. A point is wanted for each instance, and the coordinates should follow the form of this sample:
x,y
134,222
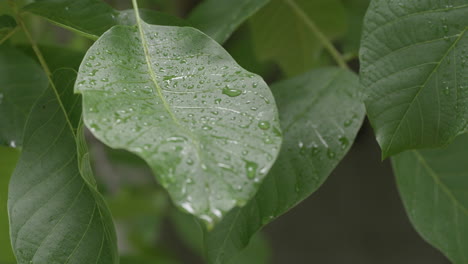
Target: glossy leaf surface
x,y
208,128
414,70
91,18
321,115
220,18
282,35
18,92
56,213
8,159
433,185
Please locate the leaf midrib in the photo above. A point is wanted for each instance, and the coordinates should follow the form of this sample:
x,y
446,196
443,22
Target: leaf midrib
x,y
422,88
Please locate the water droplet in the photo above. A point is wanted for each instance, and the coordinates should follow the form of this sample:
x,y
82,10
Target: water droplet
x,y
104,79
189,162
231,92
206,127
254,85
331,154
264,125
12,144
344,142
251,168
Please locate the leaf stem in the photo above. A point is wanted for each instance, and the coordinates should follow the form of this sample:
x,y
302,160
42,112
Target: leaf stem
x,y
9,35
322,38
43,63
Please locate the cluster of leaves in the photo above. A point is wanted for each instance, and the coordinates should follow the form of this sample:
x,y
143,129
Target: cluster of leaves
x,y
230,150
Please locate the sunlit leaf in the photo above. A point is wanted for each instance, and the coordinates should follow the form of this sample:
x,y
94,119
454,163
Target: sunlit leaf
x,y
56,213
433,185
320,113
414,68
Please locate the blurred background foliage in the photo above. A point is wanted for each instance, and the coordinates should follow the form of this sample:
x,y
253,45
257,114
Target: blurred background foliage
x,y
356,217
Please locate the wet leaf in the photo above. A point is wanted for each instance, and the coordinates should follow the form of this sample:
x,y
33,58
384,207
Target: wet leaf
x,y
414,68
320,114
208,128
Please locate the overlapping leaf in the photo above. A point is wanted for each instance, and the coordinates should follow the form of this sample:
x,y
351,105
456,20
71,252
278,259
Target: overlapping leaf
x,y
414,67
91,18
219,19
434,186
56,213
18,92
320,114
284,36
208,128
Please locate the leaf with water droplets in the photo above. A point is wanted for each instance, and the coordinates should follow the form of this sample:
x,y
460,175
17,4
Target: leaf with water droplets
x,y
433,185
18,92
320,114
176,98
56,212
414,68
220,18
91,18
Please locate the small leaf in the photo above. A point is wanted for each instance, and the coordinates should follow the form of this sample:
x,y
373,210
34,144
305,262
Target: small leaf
x,y
220,18
18,92
7,24
280,34
91,18
320,114
433,185
56,213
414,69
8,159
177,99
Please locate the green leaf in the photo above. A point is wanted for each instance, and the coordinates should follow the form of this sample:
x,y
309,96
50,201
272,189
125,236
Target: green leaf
x,y
208,128
220,18
355,11
91,18
283,36
18,92
7,25
320,114
8,159
413,66
55,210
191,233
433,185
147,260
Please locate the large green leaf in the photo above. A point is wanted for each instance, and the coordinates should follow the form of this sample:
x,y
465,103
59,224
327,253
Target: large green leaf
x,y
55,210
320,115
91,18
18,92
413,56
434,187
8,159
282,35
220,18
208,128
